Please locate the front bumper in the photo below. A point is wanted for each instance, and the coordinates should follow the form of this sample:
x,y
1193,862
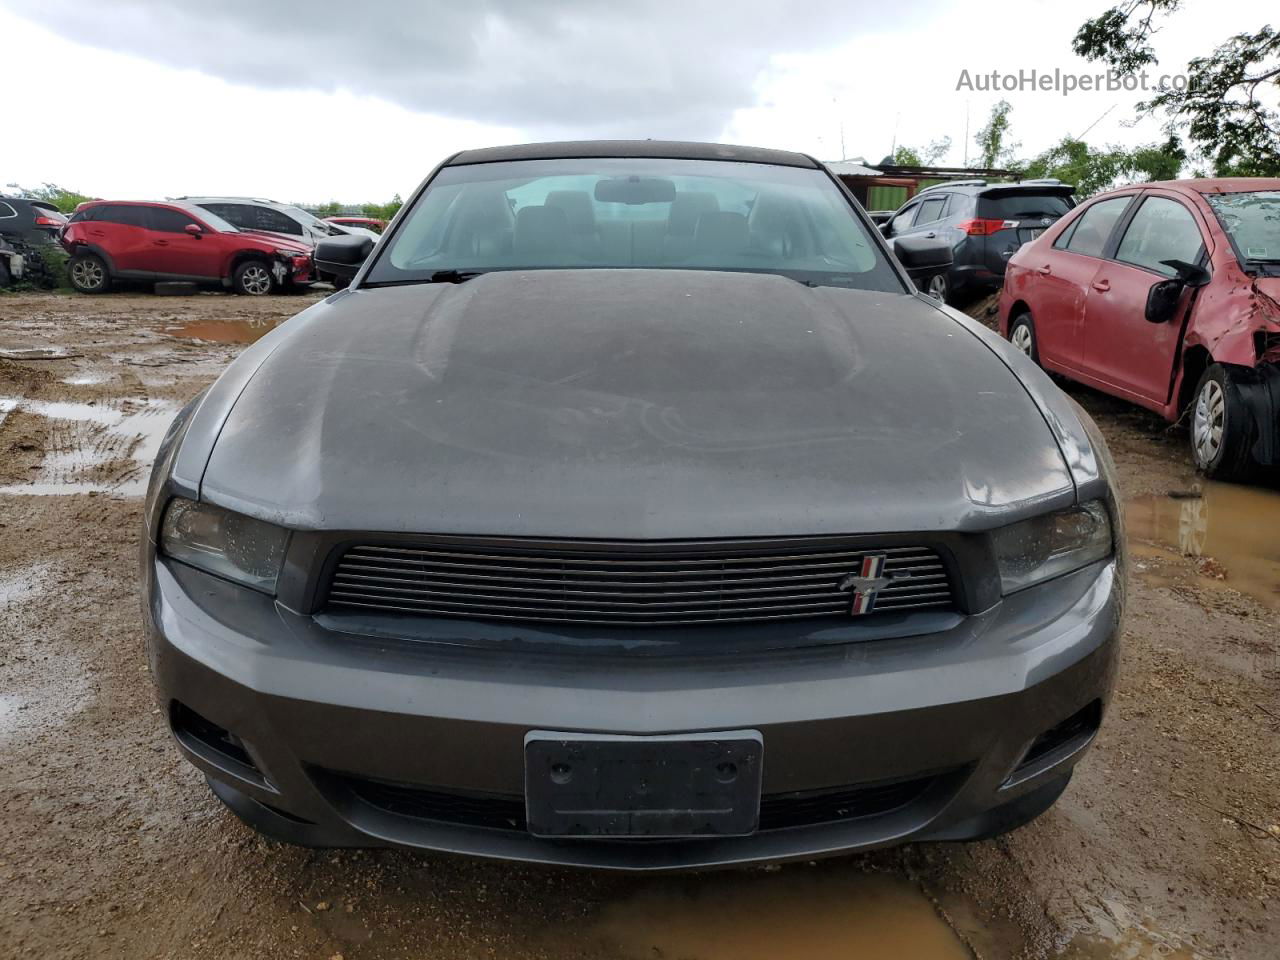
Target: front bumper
x,y
320,715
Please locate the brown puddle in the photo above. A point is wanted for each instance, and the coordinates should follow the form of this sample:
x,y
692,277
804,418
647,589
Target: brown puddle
x,y
1234,530
224,331
92,448
770,916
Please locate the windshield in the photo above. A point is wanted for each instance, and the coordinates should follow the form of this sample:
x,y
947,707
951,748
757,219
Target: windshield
x,y
1022,205
649,213
1252,221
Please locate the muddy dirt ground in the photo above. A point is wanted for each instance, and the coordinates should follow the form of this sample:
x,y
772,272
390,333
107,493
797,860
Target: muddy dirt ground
x,y
1166,843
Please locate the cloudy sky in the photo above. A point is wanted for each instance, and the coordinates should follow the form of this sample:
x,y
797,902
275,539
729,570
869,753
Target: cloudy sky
x,y
318,100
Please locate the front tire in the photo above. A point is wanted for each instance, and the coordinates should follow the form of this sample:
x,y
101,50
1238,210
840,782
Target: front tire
x,y
253,279
1221,426
1022,334
938,287
89,273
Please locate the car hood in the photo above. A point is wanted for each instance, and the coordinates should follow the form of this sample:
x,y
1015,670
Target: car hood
x,y
632,404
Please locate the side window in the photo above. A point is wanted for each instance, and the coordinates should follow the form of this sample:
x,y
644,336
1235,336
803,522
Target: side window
x,y
903,220
1162,229
123,214
267,219
169,221
1089,236
931,210
236,214
7,211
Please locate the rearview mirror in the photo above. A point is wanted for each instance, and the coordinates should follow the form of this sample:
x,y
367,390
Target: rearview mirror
x,y
635,190
342,256
1163,299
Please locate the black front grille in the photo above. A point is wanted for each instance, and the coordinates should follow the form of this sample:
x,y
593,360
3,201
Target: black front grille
x,y
628,584
506,811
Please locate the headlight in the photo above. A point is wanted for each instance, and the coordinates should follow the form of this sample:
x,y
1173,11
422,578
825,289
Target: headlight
x,y
291,254
228,544
1048,546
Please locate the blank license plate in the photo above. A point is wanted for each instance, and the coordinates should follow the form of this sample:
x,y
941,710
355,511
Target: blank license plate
x,y
598,785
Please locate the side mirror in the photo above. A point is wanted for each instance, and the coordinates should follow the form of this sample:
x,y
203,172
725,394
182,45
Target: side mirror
x,y
1163,299
342,256
885,226
194,230
922,257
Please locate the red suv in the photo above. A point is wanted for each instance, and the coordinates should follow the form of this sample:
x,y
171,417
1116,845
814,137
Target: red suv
x,y
110,240
1167,295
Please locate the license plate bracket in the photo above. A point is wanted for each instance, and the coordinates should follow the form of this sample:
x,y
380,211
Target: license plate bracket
x,y
602,785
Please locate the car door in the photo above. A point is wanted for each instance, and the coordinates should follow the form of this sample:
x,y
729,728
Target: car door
x,y
120,229
1064,272
177,252
1122,350
929,216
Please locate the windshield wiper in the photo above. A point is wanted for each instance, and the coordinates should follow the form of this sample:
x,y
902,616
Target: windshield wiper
x,y
453,276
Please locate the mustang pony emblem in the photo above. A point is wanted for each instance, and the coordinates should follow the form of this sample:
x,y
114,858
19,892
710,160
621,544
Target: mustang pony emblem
x,y
868,582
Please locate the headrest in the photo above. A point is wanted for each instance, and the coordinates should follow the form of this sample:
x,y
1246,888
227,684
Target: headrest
x,y
578,209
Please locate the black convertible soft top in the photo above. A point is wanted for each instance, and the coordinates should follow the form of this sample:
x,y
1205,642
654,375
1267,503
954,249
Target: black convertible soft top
x,y
661,149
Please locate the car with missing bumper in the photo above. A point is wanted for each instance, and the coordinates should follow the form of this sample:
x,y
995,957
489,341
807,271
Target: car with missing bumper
x,y
1166,295
631,509
116,240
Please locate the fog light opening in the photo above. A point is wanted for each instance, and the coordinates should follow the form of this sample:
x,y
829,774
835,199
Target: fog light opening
x,y
213,743
1059,742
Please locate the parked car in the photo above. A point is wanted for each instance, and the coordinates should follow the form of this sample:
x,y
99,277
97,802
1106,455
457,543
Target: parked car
x,y
983,223
1167,295
116,240
371,223
632,492
33,221
249,213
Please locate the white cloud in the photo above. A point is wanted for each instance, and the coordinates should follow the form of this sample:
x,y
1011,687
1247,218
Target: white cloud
x,y
297,101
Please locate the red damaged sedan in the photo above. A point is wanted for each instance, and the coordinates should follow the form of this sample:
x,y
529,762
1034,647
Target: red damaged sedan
x,y
1166,295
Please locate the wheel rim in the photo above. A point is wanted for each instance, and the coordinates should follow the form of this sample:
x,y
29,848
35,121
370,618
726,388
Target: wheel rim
x,y
938,287
87,274
1209,421
1022,338
256,280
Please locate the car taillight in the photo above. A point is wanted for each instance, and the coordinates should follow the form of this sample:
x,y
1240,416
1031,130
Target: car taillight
x,y
984,228
48,222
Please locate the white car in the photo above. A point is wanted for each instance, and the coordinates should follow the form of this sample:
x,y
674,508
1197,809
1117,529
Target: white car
x,y
251,213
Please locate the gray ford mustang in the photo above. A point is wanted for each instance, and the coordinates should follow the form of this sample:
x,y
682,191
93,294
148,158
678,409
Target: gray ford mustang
x,y
631,509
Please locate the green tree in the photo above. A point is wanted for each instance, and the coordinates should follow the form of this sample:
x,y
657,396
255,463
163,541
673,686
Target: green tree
x,y
1226,105
993,150
1092,169
905,156
383,211
330,209
62,198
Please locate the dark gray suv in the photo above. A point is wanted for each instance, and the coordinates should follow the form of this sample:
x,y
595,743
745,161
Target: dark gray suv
x,y
984,224
631,509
